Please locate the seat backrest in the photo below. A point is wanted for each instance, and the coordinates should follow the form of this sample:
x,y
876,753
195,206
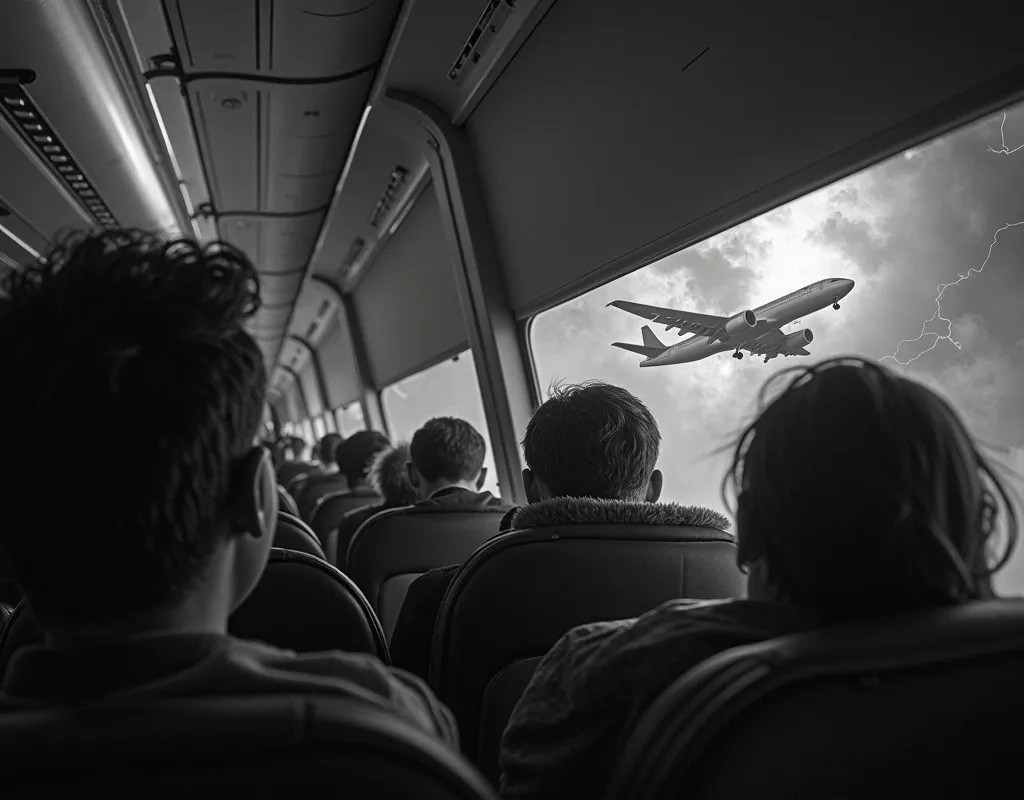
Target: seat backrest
x,y
315,487
330,508
285,745
921,703
391,549
301,603
294,534
523,590
286,473
286,502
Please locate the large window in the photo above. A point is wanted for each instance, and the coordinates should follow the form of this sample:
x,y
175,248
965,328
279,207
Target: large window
x,y
947,214
319,429
350,419
448,389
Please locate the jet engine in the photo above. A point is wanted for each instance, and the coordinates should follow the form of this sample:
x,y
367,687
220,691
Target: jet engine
x,y
740,323
799,338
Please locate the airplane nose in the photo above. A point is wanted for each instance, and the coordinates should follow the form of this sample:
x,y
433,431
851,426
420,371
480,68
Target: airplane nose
x,y
847,286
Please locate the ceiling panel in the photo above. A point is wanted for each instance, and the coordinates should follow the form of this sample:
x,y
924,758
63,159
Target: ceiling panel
x,y
277,89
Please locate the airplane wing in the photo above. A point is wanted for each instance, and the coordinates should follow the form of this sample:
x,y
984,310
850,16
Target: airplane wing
x,y
686,321
776,343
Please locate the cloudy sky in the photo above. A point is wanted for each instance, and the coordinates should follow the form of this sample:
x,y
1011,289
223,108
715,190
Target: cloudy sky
x,y
899,230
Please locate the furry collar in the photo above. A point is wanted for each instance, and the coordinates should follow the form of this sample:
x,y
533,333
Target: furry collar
x,y
587,510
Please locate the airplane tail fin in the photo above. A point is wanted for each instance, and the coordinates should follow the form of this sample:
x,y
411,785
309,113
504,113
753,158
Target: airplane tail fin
x,y
650,340
650,348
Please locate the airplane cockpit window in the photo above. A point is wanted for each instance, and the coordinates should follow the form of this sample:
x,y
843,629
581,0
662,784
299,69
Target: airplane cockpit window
x,y
920,255
448,389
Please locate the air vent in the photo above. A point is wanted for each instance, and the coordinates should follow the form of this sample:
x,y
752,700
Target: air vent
x,y
383,206
492,20
325,306
310,331
354,252
21,112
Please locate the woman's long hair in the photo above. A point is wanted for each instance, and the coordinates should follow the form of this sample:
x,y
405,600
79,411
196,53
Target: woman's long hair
x,y
860,492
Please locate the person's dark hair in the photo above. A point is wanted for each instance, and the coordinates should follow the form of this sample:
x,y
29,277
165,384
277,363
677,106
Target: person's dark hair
x,y
448,448
130,352
327,446
354,455
593,440
389,478
862,493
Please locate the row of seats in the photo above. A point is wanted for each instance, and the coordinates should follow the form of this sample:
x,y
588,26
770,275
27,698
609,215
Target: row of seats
x,y
494,627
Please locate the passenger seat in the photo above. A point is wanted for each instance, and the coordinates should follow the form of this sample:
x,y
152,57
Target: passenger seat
x,y
292,533
520,592
391,549
327,514
267,746
925,704
286,473
317,486
301,603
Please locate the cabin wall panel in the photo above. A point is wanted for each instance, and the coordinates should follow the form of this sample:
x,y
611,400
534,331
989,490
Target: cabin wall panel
x,y
339,365
307,375
407,304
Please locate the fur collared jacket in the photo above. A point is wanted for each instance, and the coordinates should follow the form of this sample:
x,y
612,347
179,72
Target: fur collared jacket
x,y
588,511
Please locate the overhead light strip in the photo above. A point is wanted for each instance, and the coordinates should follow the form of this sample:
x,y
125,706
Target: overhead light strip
x,y
20,242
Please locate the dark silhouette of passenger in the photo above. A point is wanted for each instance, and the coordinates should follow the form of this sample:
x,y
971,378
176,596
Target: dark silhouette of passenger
x,y
587,443
389,479
326,449
447,468
859,493
352,457
134,566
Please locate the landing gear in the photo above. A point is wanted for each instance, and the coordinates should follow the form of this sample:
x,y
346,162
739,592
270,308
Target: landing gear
x,y
835,303
737,355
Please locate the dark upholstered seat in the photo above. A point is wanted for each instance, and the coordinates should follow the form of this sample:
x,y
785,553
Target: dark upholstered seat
x,y
926,704
301,603
522,591
268,746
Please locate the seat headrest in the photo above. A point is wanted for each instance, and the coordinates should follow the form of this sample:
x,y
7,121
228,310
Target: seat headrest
x,y
261,746
286,501
294,534
301,603
870,707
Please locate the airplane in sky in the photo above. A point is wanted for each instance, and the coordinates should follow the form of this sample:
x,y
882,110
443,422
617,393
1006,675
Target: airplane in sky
x,y
758,331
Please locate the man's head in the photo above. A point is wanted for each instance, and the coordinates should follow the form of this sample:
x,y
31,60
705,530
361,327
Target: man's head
x,y
389,477
327,446
446,452
592,440
859,492
140,342
354,455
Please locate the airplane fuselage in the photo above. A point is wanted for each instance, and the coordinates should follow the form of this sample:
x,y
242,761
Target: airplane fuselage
x,y
770,316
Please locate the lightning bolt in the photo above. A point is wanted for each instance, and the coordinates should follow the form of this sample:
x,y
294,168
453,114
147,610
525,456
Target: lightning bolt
x,y
942,287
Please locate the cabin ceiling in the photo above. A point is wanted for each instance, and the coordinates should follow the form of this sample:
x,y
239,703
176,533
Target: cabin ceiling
x,y
605,134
